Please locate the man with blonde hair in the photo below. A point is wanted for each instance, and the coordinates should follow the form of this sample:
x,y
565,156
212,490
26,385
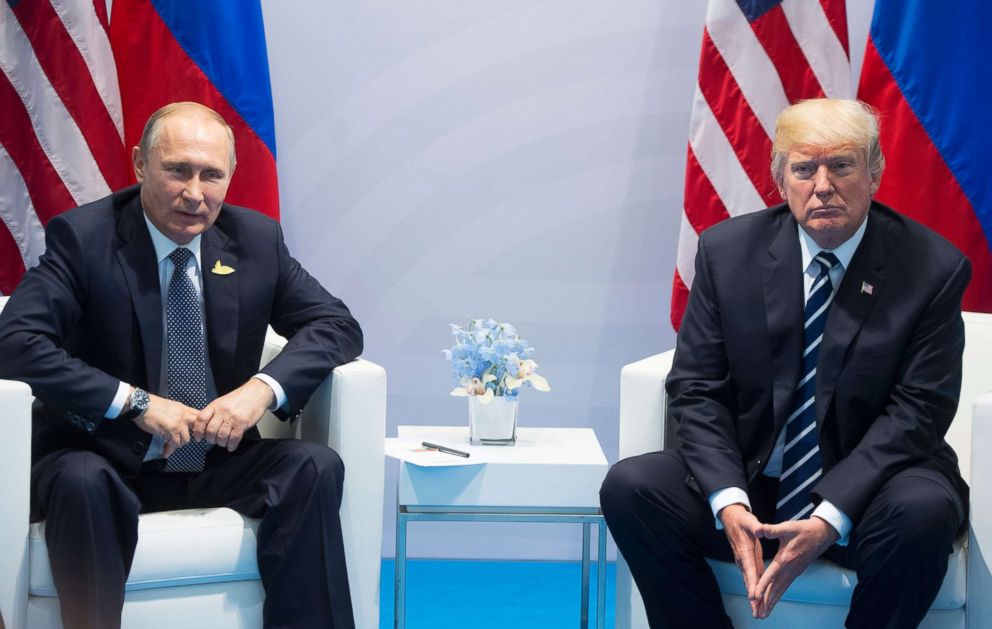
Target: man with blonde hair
x,y
140,333
816,372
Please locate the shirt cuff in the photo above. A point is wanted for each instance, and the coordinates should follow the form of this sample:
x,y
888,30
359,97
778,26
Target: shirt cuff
x,y
117,405
277,391
724,498
836,518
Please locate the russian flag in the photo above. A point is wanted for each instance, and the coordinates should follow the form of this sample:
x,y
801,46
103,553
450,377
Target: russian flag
x,y
922,71
209,52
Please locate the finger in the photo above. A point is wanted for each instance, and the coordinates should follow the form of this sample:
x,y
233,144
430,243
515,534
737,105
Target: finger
x,y
759,559
167,449
748,567
223,434
182,433
201,420
235,439
212,428
774,598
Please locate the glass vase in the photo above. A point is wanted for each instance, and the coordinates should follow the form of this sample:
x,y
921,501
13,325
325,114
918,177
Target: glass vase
x,y
492,424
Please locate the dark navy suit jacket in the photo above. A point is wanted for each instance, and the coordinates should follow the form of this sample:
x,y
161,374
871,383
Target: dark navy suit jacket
x,y
90,314
889,371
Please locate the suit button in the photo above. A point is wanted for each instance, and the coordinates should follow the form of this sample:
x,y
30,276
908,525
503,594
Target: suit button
x,y
138,448
90,426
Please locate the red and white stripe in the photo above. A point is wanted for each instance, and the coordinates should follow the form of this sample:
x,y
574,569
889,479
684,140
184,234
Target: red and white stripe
x,y
61,135
748,73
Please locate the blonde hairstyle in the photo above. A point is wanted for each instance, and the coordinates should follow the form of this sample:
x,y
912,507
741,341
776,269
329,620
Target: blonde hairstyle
x,y
153,127
827,123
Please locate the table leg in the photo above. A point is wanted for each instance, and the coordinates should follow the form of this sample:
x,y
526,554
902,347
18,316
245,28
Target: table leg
x,y
399,585
585,576
601,577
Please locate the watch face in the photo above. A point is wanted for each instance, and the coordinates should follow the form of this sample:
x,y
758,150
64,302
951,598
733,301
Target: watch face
x,y
139,400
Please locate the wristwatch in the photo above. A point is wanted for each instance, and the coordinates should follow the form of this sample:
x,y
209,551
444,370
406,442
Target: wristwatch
x,y
137,403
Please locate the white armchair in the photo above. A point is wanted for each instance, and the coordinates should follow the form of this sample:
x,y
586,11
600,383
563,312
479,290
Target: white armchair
x,y
220,587
820,597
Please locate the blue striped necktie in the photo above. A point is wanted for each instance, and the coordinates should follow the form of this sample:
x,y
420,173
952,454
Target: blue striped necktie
x,y
801,462
186,361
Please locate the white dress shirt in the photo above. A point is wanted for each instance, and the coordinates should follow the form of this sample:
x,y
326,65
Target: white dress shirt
x,y
825,510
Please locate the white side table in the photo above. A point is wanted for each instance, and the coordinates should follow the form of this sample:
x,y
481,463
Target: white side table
x,y
550,475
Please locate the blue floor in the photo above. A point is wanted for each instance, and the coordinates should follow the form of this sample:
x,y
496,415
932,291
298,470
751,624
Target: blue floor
x,y
448,594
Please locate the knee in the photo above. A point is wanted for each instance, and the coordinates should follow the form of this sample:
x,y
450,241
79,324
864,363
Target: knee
x,y
78,475
917,525
923,525
624,487
323,462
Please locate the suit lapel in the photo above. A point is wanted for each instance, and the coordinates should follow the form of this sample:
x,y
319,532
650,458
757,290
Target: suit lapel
x,y
850,307
783,288
220,299
137,260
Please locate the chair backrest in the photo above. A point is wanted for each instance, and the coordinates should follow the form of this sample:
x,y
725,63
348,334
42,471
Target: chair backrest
x,y
976,380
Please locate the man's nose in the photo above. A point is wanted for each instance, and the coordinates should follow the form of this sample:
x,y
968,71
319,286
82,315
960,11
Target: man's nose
x,y
822,185
193,191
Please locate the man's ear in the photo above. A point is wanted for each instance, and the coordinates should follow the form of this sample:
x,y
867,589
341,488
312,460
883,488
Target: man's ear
x,y
138,161
876,181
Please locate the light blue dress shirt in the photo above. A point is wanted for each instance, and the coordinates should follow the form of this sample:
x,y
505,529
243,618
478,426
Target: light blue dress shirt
x,y
163,247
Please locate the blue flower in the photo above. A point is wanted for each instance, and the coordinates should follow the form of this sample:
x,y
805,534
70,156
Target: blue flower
x,y
489,358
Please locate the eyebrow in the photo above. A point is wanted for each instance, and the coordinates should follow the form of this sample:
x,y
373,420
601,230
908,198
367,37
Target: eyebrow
x,y
828,158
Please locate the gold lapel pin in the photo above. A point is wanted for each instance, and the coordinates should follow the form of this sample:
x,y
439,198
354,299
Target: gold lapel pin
x,y
221,269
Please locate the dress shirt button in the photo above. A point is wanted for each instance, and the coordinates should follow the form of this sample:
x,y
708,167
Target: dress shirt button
x,y
139,448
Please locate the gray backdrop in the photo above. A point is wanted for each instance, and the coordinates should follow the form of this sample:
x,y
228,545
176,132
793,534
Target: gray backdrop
x,y
521,160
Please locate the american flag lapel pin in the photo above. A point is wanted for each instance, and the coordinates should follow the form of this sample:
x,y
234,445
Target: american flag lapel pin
x,y
867,288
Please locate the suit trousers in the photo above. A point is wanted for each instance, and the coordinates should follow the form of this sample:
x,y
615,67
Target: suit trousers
x,y
665,529
295,487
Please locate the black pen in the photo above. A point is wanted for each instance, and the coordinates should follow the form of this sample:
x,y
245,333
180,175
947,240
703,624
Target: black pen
x,y
434,446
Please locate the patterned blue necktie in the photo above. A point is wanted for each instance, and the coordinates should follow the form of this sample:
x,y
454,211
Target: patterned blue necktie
x,y
801,463
186,367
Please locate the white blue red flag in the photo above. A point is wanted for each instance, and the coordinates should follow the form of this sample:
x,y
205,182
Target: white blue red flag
x,y
925,72
76,90
210,52
758,56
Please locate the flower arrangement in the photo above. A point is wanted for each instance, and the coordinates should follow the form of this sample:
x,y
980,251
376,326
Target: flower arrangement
x,y
488,359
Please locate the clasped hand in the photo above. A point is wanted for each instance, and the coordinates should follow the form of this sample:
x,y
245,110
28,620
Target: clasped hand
x,y
223,422
800,542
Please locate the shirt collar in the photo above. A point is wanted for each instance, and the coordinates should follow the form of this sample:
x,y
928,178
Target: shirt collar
x,y
164,246
844,252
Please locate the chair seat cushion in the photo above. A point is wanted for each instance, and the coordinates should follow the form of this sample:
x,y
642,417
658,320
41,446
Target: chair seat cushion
x,y
825,583
174,548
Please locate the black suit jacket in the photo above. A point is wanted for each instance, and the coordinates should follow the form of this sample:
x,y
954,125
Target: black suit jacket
x,y
889,371
90,314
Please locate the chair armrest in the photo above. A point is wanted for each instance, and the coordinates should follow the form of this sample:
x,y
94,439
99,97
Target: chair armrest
x,y
979,607
644,404
15,483
347,412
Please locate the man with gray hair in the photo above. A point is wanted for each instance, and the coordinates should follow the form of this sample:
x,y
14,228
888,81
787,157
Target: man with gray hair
x,y
140,333
817,369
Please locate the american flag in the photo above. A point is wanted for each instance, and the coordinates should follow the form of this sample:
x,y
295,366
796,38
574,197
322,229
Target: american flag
x,y
758,56
61,132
